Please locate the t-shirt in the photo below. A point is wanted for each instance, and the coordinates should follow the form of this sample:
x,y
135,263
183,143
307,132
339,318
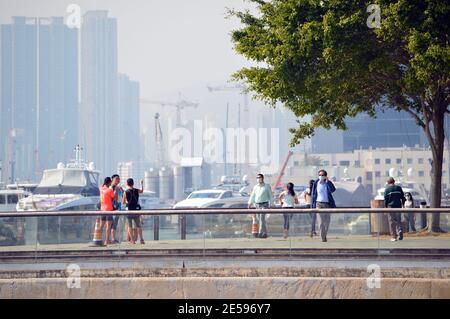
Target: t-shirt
x,y
288,200
106,198
322,192
132,198
117,204
409,204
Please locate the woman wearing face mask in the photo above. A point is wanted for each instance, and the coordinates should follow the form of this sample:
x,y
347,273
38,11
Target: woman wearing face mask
x,y
410,217
288,198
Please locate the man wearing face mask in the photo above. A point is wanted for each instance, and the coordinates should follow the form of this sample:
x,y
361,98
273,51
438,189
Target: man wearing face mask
x,y
322,198
262,198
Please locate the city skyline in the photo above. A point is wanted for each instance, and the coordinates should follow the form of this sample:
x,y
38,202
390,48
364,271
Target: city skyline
x,y
39,85
42,118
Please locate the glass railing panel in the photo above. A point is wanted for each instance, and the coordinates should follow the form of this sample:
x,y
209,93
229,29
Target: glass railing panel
x,y
68,233
18,234
227,230
416,238
241,231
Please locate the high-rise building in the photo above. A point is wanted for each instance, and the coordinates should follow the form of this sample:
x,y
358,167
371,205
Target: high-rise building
x,y
19,97
58,92
129,138
39,95
389,129
99,83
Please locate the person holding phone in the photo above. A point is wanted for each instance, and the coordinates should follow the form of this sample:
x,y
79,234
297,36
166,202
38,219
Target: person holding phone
x,y
322,197
132,202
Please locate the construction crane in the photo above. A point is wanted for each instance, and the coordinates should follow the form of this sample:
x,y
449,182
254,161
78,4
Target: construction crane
x,y
178,105
281,173
159,142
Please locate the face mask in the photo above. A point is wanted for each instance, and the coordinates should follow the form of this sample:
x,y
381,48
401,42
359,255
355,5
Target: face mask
x,y
322,178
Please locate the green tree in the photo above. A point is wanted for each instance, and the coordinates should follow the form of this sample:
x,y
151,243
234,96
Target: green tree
x,y
321,58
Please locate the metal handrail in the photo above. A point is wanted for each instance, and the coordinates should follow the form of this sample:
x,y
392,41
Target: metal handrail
x,y
220,211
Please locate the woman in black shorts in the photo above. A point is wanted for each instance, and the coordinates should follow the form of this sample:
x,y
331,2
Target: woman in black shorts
x,y
132,201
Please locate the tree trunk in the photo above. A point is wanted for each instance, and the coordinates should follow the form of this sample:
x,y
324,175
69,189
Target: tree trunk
x,y
436,170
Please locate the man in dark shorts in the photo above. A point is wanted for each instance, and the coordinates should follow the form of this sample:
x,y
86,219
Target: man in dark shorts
x,y
132,200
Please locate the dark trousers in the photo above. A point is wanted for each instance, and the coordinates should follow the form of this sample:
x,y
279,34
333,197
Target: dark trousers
x,y
324,220
287,217
313,221
262,219
411,221
395,224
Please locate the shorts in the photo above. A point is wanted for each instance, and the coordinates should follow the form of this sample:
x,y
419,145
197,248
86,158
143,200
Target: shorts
x,y
115,222
137,221
107,218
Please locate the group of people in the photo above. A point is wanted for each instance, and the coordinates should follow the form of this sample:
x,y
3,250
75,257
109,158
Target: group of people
x,y
319,195
114,198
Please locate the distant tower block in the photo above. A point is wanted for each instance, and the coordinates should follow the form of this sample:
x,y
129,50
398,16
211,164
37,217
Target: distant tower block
x,y
152,181
165,184
178,183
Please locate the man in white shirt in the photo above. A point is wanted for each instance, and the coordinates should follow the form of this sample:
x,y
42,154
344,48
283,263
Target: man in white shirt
x,y
322,198
262,198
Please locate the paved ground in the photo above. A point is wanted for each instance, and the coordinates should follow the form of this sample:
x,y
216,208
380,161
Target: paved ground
x,y
334,242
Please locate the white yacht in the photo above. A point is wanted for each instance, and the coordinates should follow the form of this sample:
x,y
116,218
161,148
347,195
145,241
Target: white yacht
x,y
234,183
74,186
10,196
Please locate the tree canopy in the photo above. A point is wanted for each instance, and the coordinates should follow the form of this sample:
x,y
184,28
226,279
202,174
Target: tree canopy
x,y
320,58
327,59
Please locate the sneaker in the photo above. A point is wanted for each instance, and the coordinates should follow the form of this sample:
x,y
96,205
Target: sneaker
x,y
400,235
324,240
393,239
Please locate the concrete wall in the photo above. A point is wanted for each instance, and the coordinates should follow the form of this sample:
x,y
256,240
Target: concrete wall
x,y
224,287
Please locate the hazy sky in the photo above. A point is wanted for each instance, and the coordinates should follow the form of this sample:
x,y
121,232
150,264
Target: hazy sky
x,y
166,45
171,47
